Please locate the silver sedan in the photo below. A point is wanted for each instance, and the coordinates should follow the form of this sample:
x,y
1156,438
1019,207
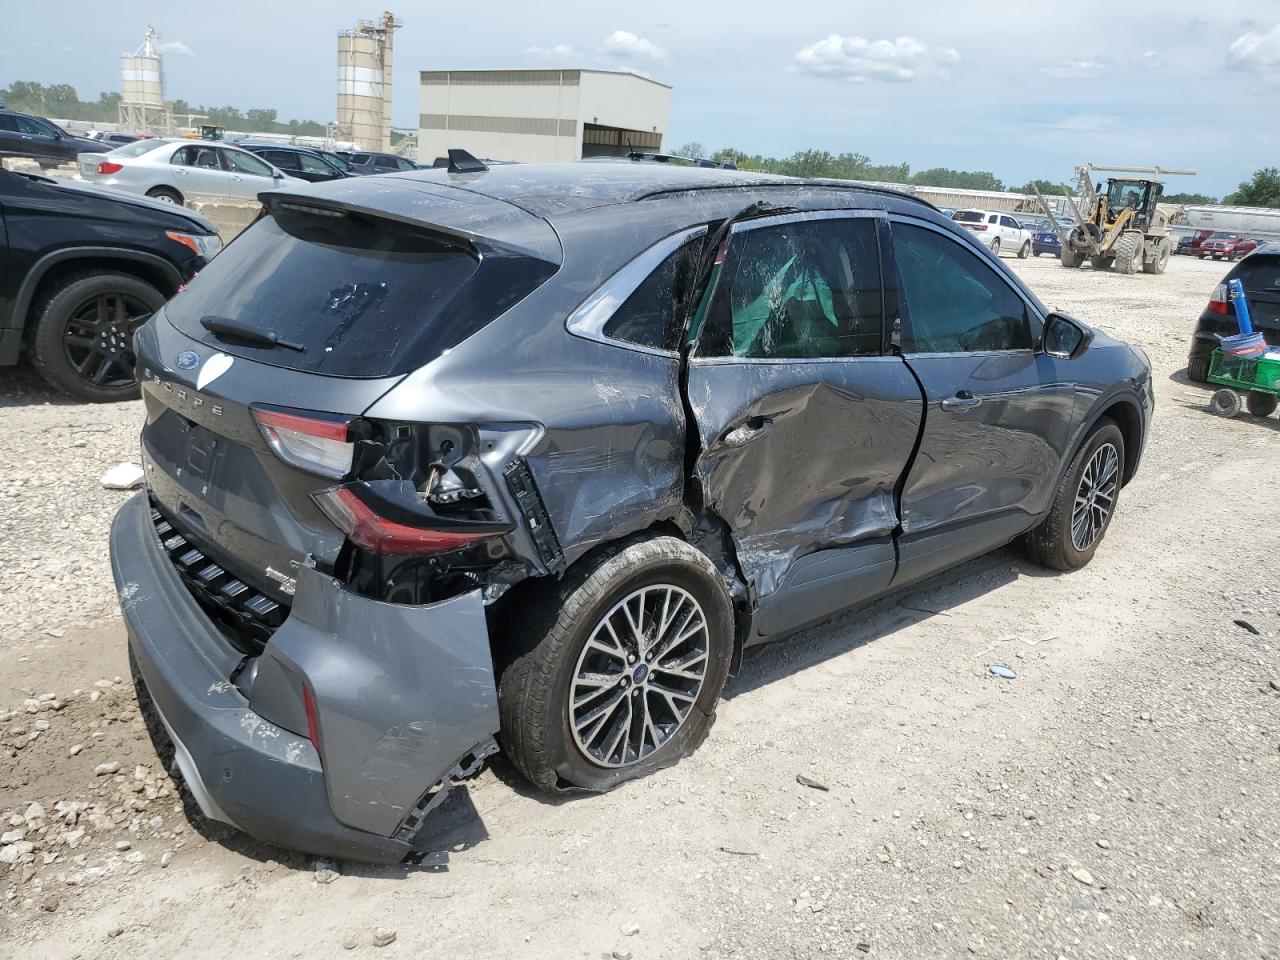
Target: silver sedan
x,y
174,171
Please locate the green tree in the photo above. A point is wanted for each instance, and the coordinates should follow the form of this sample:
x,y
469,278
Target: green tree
x,y
691,149
1262,190
1047,187
1188,198
958,179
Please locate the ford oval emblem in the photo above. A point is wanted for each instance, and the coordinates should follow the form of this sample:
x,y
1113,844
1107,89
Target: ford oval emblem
x,y
188,360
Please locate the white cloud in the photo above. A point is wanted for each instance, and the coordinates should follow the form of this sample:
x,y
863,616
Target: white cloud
x,y
621,43
1150,60
561,51
1256,51
1084,123
176,47
1076,69
859,60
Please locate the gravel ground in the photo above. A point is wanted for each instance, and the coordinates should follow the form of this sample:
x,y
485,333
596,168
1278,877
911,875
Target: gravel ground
x,y
1120,798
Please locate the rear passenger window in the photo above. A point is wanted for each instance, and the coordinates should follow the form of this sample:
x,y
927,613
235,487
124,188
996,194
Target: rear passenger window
x,y
798,290
652,315
955,302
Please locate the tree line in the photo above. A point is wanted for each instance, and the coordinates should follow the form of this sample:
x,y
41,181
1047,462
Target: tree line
x,y
60,100
1262,190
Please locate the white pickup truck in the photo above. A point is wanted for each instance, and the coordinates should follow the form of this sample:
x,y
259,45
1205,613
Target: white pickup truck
x,y
999,231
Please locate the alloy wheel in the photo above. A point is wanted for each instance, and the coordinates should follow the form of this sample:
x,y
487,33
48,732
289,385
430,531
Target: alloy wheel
x,y
98,339
638,676
1095,497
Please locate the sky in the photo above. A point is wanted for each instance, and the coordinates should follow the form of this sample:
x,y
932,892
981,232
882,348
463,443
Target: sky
x,y
1023,90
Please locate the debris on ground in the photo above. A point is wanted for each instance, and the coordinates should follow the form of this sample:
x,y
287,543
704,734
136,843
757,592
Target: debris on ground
x,y
123,476
810,782
326,871
384,936
1000,670
1246,625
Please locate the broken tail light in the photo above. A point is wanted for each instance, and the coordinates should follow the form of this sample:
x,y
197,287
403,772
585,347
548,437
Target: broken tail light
x,y
1219,301
316,442
393,517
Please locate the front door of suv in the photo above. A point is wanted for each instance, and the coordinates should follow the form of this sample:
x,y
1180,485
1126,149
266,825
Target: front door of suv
x,y
998,415
804,422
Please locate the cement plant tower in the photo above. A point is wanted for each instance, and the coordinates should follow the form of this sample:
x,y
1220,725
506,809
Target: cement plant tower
x,y
364,83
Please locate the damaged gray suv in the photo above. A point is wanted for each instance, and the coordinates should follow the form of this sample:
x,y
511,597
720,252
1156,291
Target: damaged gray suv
x,y
441,463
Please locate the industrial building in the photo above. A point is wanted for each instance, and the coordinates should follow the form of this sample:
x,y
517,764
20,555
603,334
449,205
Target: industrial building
x,y
536,116
364,83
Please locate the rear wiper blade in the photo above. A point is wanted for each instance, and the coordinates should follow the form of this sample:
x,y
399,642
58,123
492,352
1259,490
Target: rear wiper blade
x,y
222,327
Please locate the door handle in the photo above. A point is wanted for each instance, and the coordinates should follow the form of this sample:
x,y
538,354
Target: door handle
x,y
963,400
751,429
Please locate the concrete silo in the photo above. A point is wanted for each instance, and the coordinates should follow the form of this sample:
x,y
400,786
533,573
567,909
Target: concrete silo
x,y
364,83
142,106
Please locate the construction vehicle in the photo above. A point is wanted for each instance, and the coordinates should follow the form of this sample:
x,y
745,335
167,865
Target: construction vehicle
x,y
1118,226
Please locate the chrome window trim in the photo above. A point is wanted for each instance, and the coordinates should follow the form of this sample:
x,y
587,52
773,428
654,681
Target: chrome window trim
x,y
588,320
805,216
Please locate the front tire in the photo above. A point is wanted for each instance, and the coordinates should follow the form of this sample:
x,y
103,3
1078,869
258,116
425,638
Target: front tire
x,y
1226,403
613,677
1024,251
1087,498
82,335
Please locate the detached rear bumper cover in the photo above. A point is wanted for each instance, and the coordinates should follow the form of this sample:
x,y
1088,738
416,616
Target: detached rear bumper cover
x,y
404,695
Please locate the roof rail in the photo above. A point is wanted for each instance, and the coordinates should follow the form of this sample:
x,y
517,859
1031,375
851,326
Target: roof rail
x,y
791,183
674,158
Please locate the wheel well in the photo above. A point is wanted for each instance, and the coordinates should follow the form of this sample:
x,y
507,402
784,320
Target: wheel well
x,y
60,272
1126,417
171,191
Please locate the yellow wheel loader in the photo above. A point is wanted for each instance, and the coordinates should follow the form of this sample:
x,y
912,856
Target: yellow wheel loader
x,y
1119,225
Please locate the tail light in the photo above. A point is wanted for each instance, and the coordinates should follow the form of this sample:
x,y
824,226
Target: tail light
x,y
391,516
309,706
316,442
980,227
1219,301
107,167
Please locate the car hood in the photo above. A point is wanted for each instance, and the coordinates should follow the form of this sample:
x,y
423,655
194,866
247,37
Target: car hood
x,y
135,200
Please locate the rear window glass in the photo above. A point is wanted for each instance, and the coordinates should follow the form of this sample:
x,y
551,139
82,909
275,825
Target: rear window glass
x,y
137,148
1260,273
969,216
362,297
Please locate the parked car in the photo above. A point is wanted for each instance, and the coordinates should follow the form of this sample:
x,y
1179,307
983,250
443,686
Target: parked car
x,y
25,135
112,139
1186,244
377,541
1259,273
999,232
1198,237
1046,239
300,162
363,163
172,171
1225,246
80,270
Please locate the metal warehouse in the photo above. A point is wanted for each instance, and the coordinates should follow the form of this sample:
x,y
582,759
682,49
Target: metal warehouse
x,y
541,115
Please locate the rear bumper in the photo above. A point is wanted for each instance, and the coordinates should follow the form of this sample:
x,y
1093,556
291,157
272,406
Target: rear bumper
x,y
382,738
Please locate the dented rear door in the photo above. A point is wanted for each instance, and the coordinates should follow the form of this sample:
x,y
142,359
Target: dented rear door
x,y
805,423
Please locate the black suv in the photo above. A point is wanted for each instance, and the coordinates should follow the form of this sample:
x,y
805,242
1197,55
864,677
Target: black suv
x,y
80,270
1259,273
314,166
22,135
363,164
528,455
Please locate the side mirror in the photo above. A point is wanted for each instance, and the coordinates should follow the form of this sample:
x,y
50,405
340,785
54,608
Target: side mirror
x,y
1065,337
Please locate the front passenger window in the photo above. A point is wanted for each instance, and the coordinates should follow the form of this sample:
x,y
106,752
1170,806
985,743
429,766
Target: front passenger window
x,y
955,302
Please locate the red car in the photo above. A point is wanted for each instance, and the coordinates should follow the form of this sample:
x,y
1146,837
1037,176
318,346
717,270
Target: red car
x,y
1226,246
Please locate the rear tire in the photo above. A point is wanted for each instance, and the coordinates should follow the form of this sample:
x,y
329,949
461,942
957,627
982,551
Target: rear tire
x,y
995,246
1159,262
1261,404
1128,252
544,732
1057,542
1071,258
1198,369
165,195
1226,403
82,334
